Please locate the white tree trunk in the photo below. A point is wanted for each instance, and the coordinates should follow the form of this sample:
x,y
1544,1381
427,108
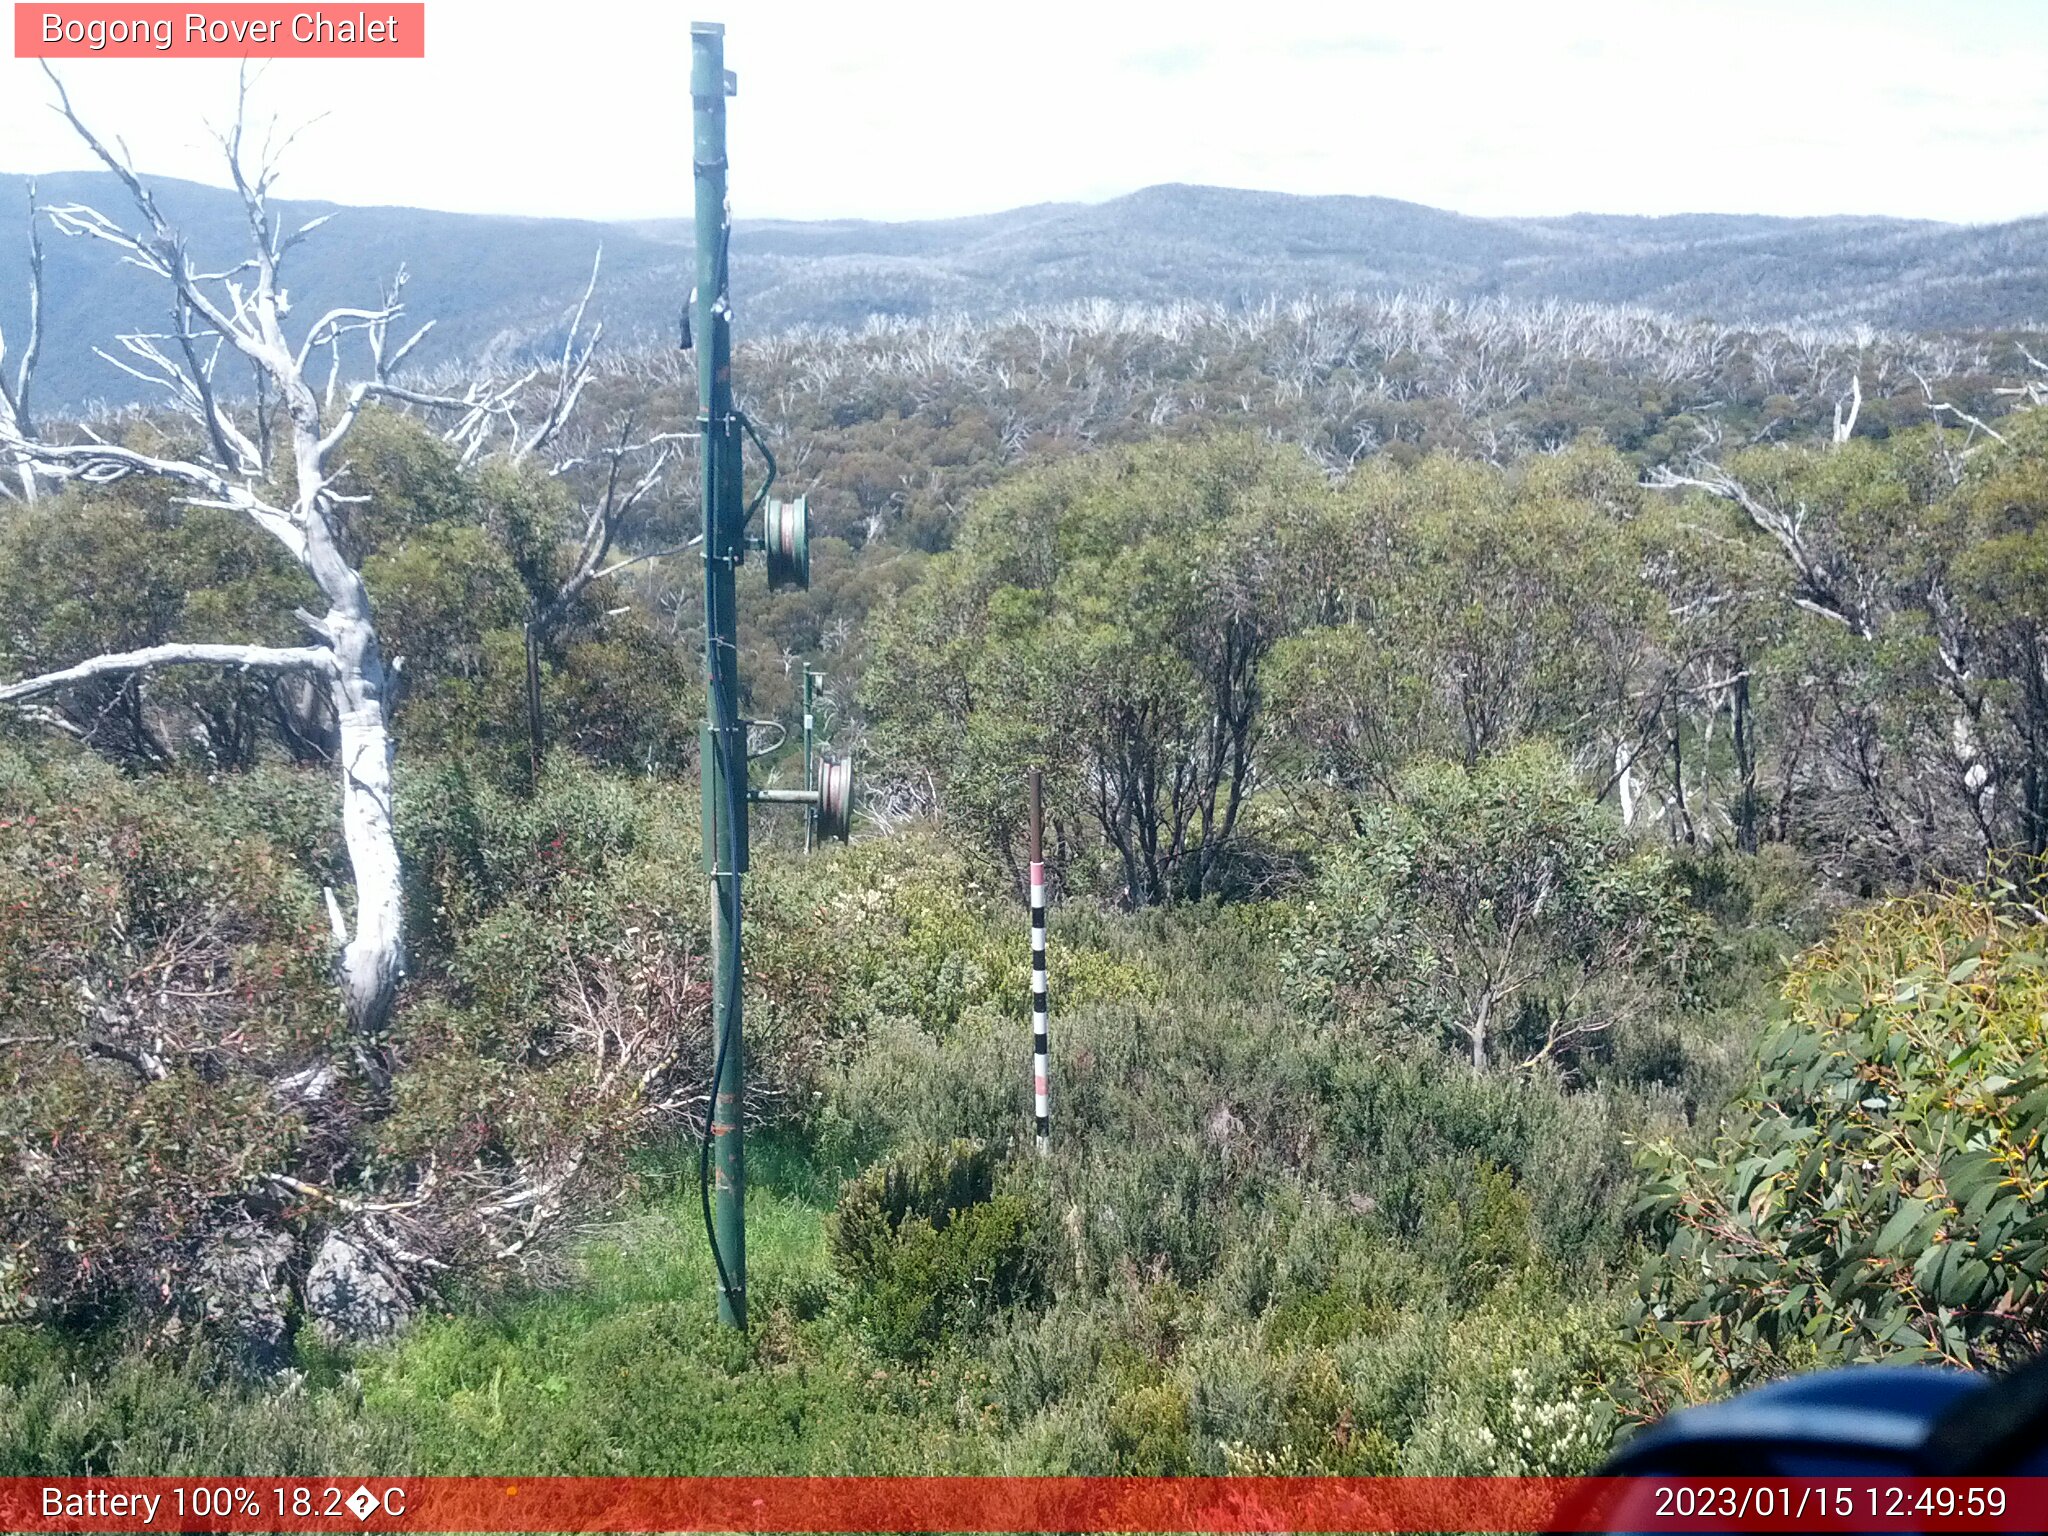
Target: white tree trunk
x,y
1625,782
374,959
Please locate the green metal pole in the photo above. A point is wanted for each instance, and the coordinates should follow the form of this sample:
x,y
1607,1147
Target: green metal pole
x,y
723,757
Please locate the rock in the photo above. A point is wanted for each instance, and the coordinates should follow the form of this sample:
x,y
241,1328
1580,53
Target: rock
x,y
309,1085
243,1295
352,1294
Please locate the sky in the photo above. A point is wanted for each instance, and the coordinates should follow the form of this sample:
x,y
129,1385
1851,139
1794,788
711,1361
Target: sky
x,y
902,109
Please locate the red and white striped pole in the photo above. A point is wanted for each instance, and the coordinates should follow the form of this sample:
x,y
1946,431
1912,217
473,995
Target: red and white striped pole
x,y
1040,1044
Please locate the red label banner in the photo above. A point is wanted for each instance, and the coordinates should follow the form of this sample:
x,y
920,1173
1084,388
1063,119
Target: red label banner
x,y
234,31
1003,1504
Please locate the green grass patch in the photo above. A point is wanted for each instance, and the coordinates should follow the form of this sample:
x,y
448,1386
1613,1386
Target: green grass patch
x,y
627,1371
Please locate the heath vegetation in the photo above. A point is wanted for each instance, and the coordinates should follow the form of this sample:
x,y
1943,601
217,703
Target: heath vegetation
x,y
1545,807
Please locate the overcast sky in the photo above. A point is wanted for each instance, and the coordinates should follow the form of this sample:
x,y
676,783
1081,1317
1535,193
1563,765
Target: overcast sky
x,y
878,109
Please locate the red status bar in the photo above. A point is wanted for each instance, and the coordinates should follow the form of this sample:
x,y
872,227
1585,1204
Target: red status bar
x,y
969,1504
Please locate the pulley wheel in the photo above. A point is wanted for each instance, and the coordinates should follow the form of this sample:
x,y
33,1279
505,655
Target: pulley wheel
x,y
835,797
786,535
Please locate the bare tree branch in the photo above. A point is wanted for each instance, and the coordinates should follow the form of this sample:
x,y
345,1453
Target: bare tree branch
x,y
1946,408
572,373
605,517
247,658
1816,589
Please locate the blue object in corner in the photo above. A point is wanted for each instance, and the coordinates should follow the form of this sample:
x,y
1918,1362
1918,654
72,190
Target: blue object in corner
x,y
1872,1419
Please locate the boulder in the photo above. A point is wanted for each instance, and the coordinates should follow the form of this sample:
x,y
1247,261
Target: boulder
x,y
352,1294
243,1293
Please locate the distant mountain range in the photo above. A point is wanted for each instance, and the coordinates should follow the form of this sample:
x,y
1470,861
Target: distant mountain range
x,y
500,286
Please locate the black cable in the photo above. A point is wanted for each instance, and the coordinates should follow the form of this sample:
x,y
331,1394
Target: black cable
x,y
735,807
762,494
724,730
738,415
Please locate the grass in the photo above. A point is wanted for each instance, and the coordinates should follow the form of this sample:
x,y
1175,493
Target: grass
x,y
622,1370
625,1371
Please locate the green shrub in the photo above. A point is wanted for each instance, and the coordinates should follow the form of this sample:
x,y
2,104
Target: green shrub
x,y
1161,1206
160,964
68,1410
930,1245
1478,1224
1403,1120
1877,1189
1148,1434
933,1183
1499,911
902,928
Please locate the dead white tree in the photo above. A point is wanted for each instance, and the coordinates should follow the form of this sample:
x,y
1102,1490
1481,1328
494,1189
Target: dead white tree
x,y
1827,584
1849,406
629,474
2031,392
14,394
1817,586
1940,410
485,409
293,496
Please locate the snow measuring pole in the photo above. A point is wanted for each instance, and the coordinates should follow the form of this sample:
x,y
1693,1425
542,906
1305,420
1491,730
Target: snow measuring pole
x,y
785,541
1041,1047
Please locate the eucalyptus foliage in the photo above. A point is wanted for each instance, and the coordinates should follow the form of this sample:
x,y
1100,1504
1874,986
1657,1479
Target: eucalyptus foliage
x,y
1879,1189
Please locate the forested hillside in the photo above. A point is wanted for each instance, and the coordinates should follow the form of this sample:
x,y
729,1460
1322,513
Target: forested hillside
x,y
497,285
1515,772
